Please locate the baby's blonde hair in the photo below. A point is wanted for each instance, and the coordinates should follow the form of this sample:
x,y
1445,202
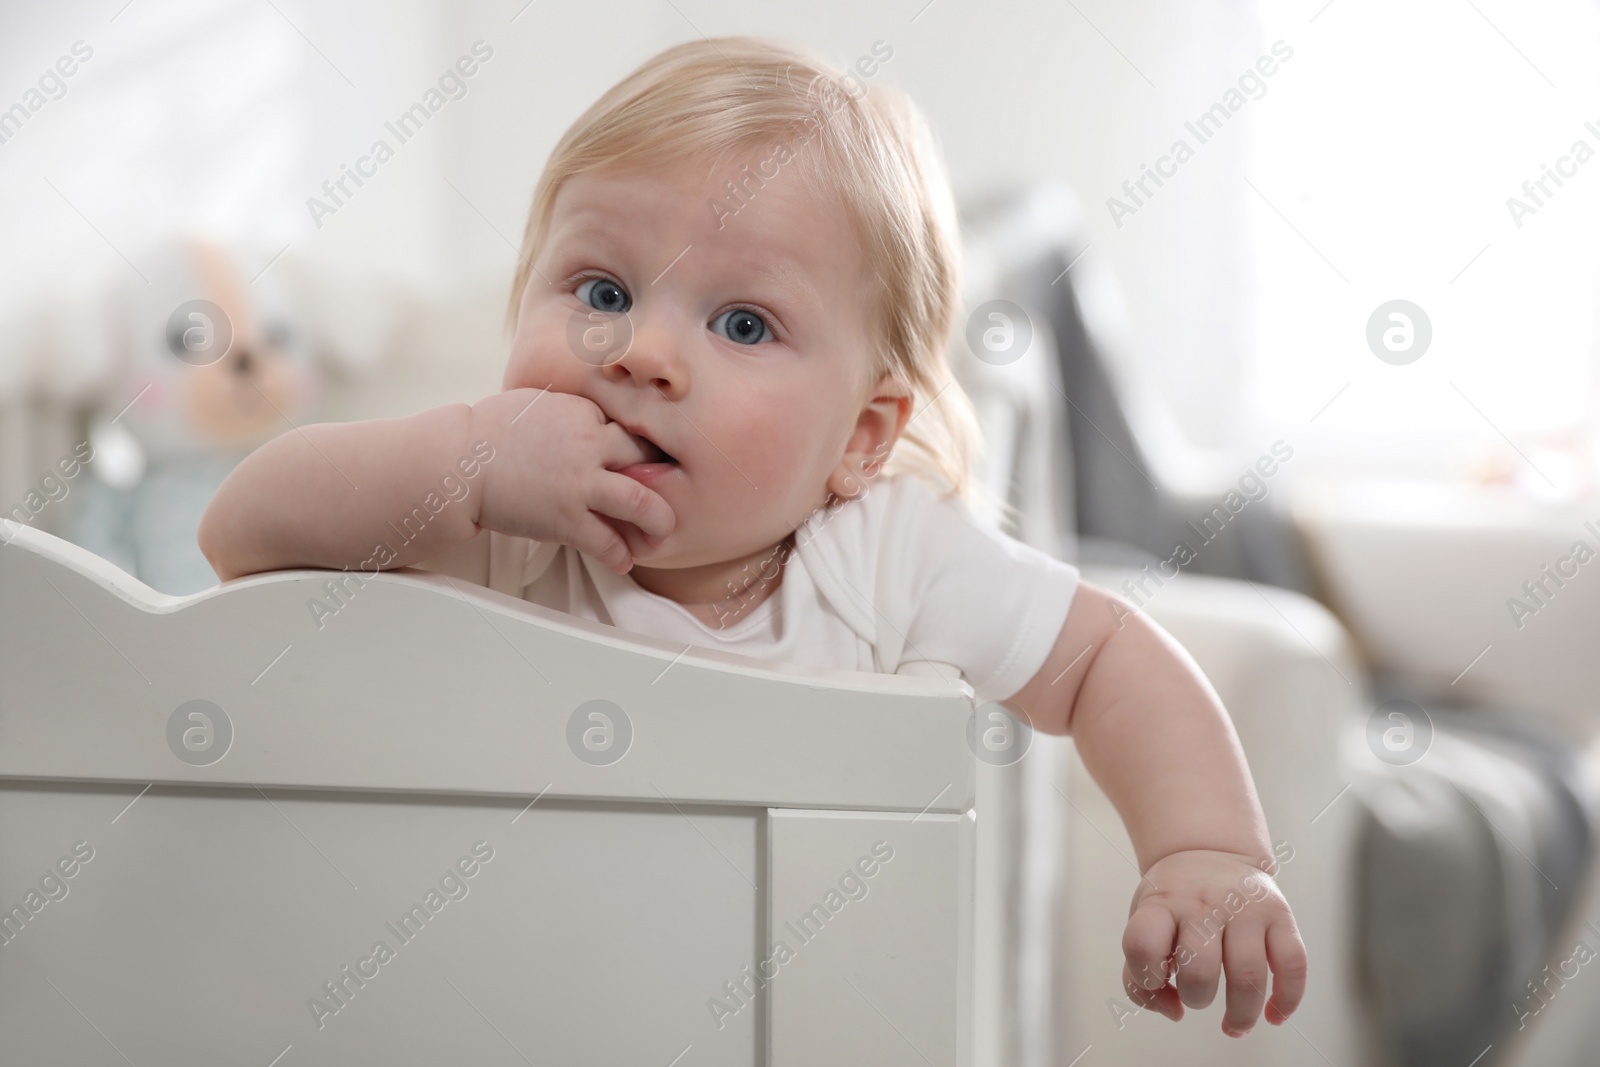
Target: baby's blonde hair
x,y
871,149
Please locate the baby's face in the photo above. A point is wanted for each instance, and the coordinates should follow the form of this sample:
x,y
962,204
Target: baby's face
x,y
749,359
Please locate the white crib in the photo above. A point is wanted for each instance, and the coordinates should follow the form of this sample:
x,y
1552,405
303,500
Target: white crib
x,y
577,849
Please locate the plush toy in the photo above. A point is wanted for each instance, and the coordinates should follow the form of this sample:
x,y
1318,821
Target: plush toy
x,y
206,366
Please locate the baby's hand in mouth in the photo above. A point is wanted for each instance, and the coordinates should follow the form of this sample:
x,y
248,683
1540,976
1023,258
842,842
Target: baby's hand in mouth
x,y
569,474
649,451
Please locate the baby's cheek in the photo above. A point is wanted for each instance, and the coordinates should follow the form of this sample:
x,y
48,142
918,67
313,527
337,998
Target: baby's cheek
x,y
792,481
775,460
540,356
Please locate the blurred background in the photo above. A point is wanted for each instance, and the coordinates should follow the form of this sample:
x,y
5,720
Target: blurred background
x,y
1312,287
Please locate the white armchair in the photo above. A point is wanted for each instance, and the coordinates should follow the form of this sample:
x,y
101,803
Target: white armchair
x,y
1284,667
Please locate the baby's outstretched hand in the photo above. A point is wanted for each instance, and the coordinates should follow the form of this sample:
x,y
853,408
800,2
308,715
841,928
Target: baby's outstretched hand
x,y
1206,912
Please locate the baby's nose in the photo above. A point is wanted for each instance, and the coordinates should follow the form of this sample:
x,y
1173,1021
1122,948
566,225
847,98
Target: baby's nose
x,y
655,359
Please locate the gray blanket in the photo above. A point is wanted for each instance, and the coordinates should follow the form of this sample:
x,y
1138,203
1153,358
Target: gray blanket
x,y
1469,865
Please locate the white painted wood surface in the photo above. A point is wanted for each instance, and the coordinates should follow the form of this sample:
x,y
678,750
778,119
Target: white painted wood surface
x,y
220,889
858,901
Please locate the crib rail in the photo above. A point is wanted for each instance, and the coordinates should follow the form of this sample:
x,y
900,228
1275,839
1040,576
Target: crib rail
x,y
647,851
415,681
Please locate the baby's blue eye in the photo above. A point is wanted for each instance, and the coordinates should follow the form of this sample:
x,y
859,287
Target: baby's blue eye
x,y
747,328
612,298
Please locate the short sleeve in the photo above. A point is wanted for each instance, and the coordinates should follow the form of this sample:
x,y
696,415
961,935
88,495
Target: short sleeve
x,y
502,562
468,561
964,593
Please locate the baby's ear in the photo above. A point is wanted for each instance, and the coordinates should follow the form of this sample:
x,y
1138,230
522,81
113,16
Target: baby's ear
x,y
878,427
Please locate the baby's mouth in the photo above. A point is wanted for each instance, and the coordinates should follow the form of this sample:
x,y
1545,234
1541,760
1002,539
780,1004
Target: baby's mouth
x,y
657,467
654,453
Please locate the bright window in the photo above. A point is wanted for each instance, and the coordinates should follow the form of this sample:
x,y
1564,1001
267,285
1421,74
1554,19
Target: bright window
x,y
1391,144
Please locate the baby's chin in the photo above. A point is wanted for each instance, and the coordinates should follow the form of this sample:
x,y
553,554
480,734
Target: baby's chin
x,y
663,556
673,554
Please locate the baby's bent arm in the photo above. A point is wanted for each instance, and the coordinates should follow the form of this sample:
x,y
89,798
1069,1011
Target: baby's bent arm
x,y
1151,731
321,495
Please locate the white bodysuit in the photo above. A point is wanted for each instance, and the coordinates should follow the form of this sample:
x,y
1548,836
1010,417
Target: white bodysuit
x,y
894,577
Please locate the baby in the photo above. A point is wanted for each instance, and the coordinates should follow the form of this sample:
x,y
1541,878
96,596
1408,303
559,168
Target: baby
x,y
727,419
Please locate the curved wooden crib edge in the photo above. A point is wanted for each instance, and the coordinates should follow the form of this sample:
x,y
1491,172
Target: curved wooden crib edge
x,y
411,681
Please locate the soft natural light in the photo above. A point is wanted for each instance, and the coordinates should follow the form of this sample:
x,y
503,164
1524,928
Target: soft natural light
x,y
1382,163
186,157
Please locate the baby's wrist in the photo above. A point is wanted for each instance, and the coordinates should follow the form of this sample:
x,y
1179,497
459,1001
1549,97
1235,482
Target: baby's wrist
x,y
1264,861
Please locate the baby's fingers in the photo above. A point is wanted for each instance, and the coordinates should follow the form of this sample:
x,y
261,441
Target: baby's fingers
x,y
1244,959
621,497
1164,1001
1286,952
594,537
1147,944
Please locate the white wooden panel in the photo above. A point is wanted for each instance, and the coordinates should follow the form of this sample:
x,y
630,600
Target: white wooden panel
x,y
368,755
207,919
421,683
869,966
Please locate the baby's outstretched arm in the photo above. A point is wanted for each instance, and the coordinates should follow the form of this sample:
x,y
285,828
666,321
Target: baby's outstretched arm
x,y
1155,736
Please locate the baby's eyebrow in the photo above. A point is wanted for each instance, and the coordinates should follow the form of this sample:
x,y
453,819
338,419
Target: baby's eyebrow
x,y
571,236
784,274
